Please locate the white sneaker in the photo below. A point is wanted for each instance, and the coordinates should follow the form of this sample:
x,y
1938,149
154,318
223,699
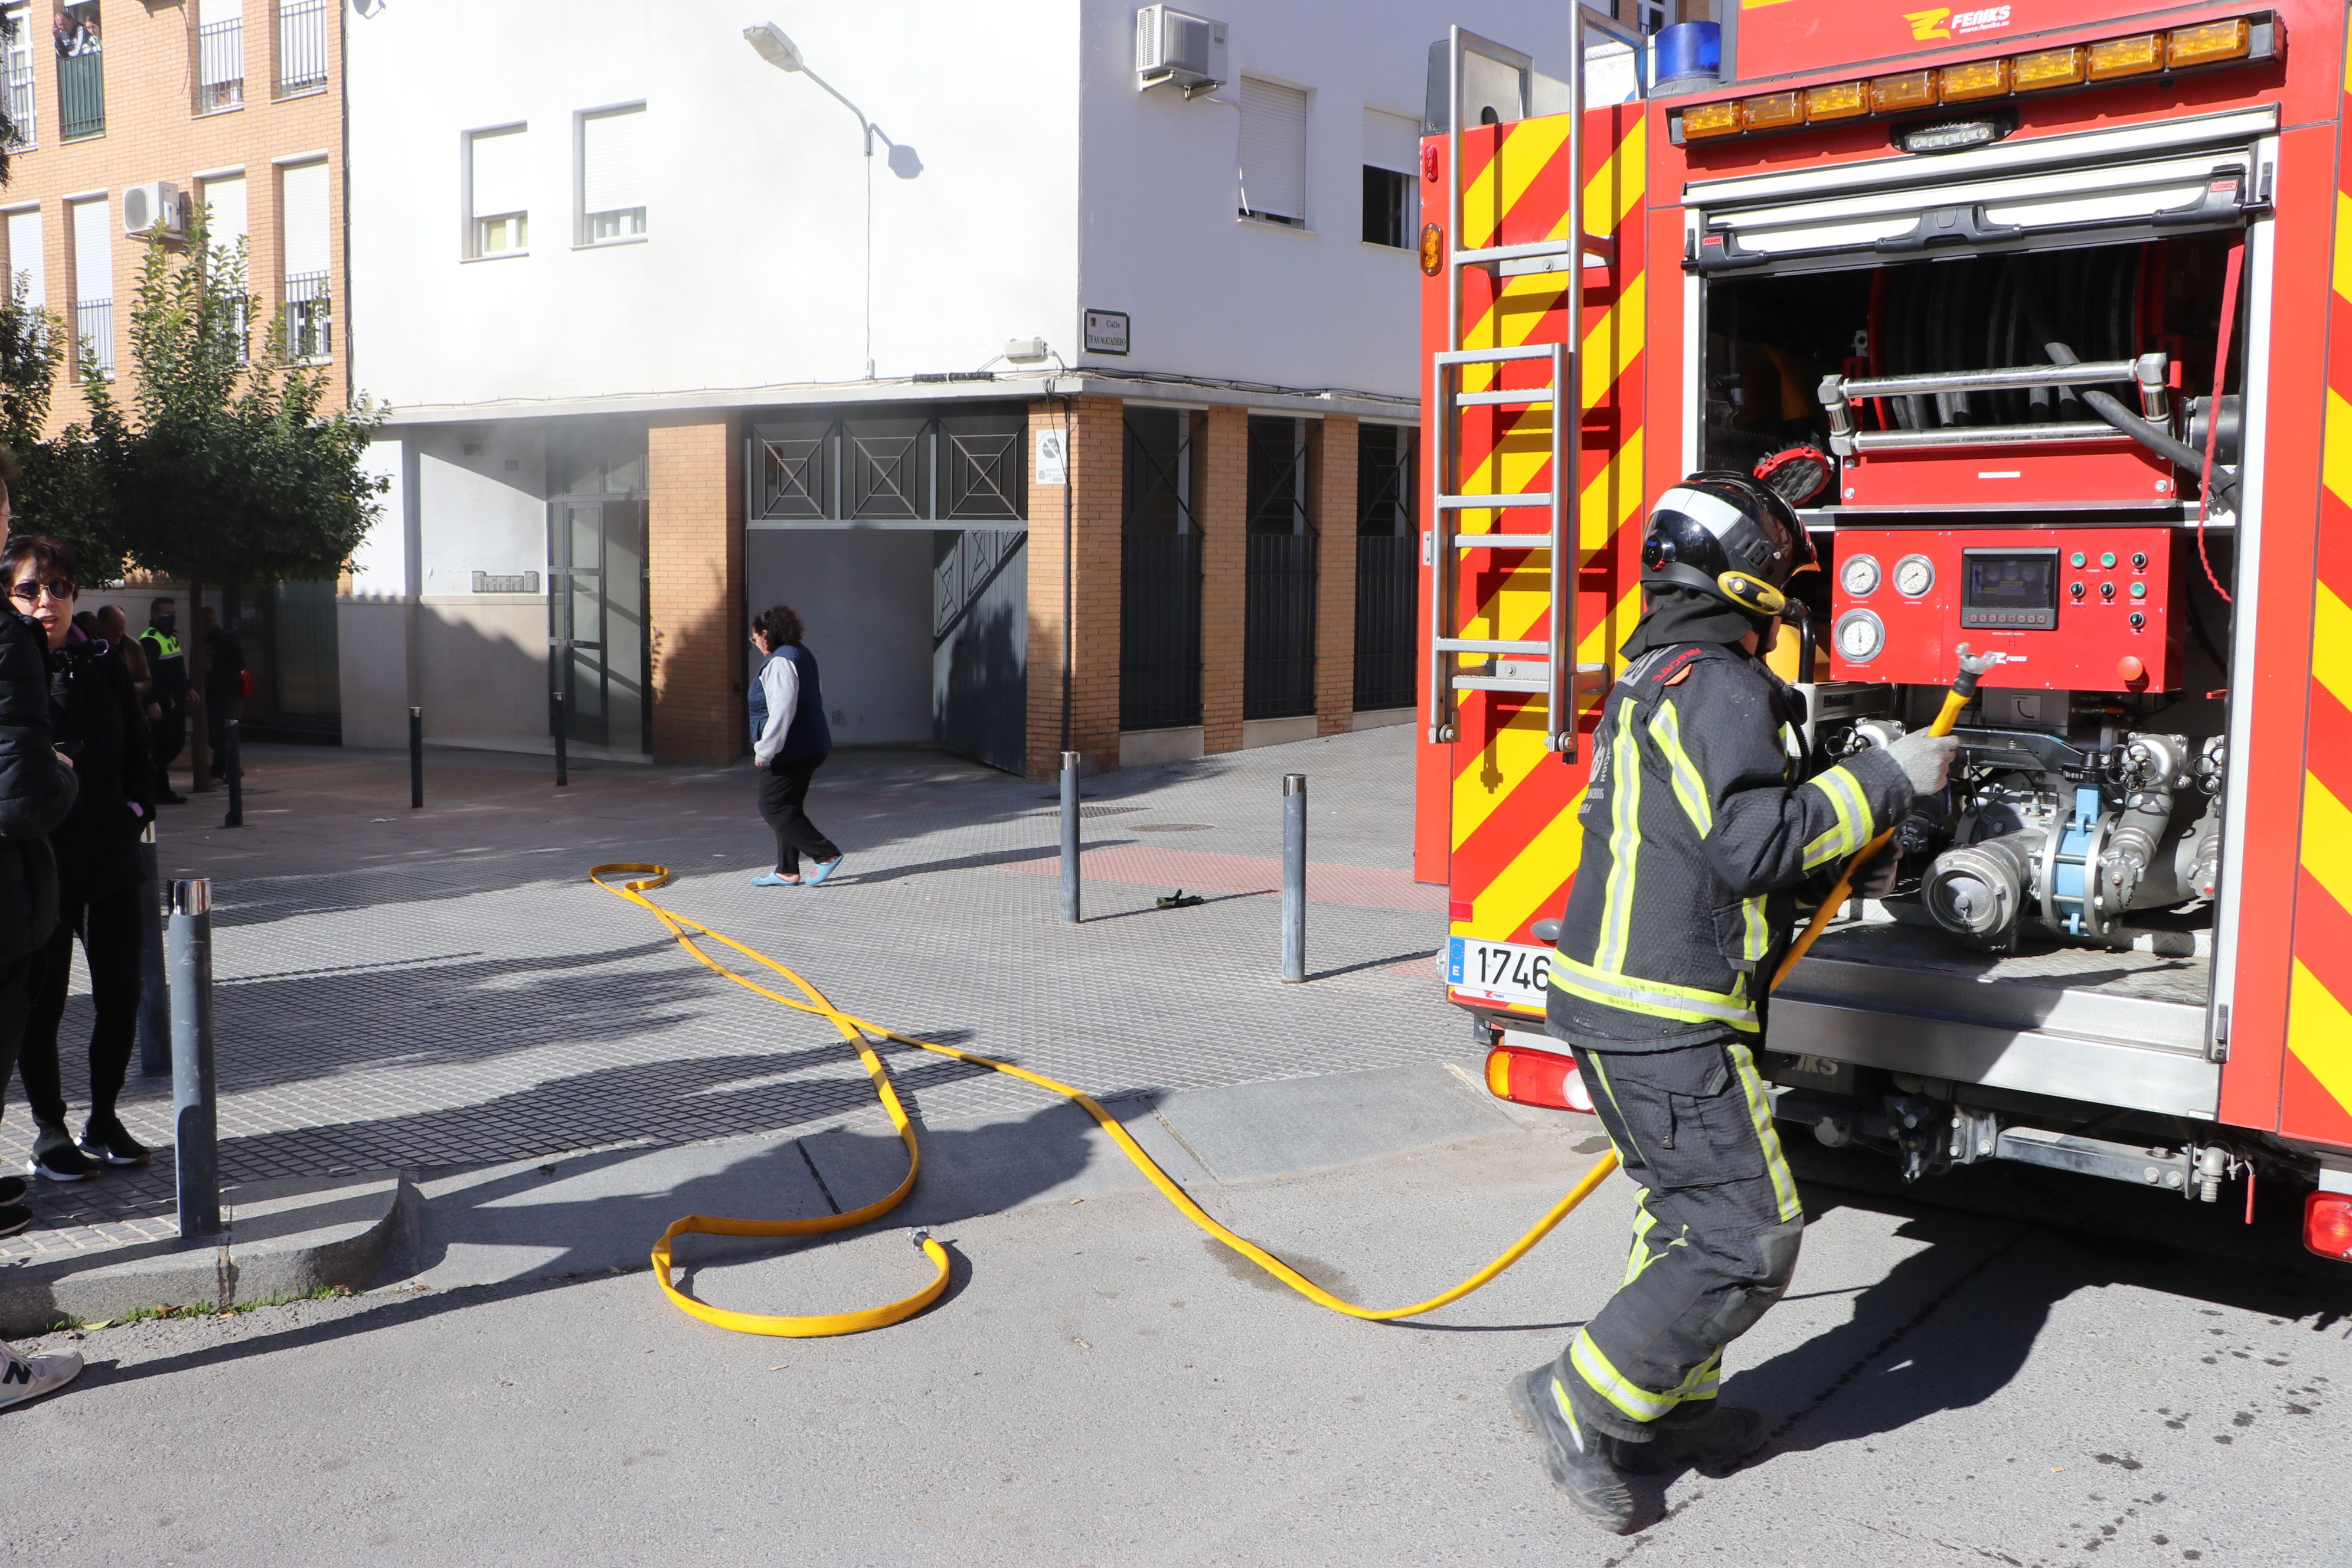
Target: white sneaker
x,y
28,1377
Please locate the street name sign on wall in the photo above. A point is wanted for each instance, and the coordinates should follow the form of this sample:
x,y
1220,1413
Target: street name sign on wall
x,y
1106,331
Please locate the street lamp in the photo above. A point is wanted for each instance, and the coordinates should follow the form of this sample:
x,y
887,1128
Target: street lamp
x,y
772,46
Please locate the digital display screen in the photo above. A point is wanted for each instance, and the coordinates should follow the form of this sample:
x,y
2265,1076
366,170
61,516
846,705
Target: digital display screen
x,y
2011,582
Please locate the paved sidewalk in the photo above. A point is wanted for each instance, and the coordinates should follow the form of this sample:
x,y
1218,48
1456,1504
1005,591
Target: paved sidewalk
x,y
401,990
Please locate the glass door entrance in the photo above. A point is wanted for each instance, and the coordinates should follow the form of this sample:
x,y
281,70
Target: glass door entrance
x,y
597,652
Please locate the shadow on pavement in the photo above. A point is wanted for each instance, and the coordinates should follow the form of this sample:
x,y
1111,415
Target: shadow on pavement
x,y
966,1172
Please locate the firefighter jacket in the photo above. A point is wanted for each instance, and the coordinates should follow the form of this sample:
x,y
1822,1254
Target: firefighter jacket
x,y
1698,830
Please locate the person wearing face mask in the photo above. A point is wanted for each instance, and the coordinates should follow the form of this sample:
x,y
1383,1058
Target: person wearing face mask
x,y
95,716
169,662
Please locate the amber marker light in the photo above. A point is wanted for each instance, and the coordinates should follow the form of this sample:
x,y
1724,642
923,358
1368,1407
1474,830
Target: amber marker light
x,y
1769,112
2046,68
1840,101
2140,54
1893,94
1432,249
2208,43
1979,78
1711,119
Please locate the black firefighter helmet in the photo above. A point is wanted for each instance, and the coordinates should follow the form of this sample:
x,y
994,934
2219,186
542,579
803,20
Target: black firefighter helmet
x,y
1731,538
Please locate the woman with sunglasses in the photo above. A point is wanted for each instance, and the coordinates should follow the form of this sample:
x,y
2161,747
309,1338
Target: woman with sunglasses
x,y
94,716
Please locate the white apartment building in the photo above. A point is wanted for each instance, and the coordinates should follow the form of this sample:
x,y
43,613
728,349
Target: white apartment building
x,y
664,344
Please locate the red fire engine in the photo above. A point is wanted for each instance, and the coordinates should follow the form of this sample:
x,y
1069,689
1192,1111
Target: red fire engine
x,y
2045,321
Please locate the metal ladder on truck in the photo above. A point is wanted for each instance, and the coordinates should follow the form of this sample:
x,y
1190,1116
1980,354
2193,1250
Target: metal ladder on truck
x,y
1563,360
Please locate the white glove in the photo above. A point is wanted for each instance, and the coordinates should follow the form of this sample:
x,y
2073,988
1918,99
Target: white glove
x,y
1926,759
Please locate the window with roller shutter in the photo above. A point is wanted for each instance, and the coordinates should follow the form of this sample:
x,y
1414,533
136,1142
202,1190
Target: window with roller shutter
x,y
1274,154
303,220
1392,151
497,191
613,175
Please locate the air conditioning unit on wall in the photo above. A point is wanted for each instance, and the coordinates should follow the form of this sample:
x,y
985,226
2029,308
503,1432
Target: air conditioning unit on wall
x,y
1178,49
153,209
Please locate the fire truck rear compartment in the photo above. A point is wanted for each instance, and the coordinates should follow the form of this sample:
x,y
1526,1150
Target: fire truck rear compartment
x,y
2050,931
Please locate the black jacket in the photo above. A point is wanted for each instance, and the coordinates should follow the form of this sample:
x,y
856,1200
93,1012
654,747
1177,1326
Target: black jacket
x,y
1698,830
35,792
95,710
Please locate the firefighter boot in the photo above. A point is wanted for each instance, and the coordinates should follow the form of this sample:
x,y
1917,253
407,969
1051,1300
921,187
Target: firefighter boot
x,y
1577,1459
1713,1439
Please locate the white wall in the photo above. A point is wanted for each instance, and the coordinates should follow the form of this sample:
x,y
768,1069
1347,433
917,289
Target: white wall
x,y
753,270
1213,294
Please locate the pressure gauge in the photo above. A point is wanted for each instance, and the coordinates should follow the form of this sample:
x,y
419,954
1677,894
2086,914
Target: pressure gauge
x,y
1860,575
1859,635
1913,576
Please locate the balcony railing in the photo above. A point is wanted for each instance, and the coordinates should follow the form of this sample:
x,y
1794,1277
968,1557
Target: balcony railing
x,y
94,334
81,95
220,67
24,118
309,317
301,47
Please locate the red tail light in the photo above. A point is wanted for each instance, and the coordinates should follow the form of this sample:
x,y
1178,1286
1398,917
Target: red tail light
x,y
1527,1077
2326,1220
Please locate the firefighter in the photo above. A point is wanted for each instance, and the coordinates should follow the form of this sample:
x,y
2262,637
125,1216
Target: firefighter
x,y
1698,828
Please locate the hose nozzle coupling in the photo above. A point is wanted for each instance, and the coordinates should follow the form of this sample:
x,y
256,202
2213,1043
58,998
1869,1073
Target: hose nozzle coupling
x,y
1973,667
917,1237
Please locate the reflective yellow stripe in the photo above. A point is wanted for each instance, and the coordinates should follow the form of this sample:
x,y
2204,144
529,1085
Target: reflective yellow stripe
x,y
1624,843
1854,824
1705,1381
1757,938
1689,787
1784,1184
1638,1403
1651,998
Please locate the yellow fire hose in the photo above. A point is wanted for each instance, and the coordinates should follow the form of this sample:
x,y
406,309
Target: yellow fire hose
x,y
1964,689
861,1034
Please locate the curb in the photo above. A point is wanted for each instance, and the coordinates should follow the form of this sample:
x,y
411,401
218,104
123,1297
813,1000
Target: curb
x,y
282,1238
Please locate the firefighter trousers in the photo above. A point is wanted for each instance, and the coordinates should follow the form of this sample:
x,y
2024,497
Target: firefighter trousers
x,y
1715,1229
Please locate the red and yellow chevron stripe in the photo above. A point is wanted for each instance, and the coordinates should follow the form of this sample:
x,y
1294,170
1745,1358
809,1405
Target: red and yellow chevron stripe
x,y
1511,828
2316,1090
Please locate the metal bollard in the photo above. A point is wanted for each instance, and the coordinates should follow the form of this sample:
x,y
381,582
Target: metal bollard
x,y
196,1117
562,758
417,759
233,744
1070,837
1294,879
154,1002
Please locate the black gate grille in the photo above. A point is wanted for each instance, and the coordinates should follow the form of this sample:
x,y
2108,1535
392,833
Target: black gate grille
x,y
1386,573
1279,631
1159,632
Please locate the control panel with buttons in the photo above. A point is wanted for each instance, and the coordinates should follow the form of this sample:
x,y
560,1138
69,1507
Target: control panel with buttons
x,y
2082,608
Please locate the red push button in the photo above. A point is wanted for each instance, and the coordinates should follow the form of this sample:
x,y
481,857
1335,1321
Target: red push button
x,y
2133,672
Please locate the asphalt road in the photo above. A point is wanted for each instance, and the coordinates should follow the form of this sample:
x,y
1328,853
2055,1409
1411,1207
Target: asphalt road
x,y
1104,1385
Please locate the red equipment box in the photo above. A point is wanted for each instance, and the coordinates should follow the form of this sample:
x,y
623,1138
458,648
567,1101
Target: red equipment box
x,y
2080,607
2078,472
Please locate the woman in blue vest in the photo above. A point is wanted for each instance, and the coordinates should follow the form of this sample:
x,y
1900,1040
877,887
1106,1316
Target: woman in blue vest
x,y
790,741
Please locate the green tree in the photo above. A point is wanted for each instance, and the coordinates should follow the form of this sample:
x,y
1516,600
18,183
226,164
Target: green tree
x,y
61,490
225,466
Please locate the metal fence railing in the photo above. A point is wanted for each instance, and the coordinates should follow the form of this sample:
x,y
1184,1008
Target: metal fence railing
x,y
309,316
220,65
1159,631
94,333
301,47
24,114
1387,573
1278,626
81,95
